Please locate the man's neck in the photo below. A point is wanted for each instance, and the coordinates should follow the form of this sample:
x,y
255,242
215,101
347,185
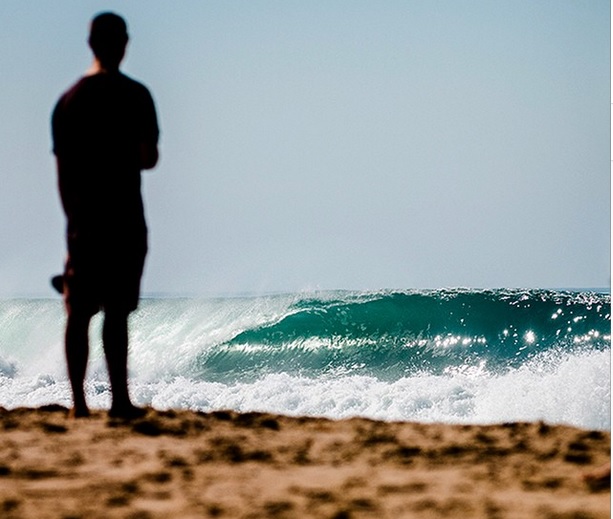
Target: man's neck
x,y
100,68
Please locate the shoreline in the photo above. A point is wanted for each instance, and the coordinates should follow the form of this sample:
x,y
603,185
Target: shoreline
x,y
226,464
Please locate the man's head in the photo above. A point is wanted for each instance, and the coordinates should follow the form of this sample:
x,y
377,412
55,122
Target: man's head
x,y
108,37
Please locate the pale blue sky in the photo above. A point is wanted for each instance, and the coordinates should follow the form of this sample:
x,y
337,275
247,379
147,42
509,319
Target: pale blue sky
x,y
333,144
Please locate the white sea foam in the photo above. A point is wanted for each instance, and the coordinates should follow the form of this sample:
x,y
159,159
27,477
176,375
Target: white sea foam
x,y
576,392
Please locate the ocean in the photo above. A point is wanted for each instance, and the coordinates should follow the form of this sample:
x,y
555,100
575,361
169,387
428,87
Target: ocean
x,y
452,355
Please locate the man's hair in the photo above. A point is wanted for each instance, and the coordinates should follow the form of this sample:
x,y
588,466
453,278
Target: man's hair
x,y
108,36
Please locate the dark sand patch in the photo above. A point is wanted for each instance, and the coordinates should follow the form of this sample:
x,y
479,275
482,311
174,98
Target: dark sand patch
x,y
226,464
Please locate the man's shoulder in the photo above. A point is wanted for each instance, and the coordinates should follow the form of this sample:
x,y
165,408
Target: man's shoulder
x,y
67,97
72,89
133,84
97,81
89,87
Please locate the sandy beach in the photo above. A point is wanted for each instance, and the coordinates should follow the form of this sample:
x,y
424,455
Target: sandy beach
x,y
181,464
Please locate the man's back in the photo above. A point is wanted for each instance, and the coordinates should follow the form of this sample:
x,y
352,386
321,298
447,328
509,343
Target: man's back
x,y
98,126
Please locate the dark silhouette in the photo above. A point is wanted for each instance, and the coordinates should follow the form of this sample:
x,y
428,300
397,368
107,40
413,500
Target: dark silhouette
x,y
105,132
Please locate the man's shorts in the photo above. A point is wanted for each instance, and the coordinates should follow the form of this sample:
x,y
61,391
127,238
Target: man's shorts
x,y
104,273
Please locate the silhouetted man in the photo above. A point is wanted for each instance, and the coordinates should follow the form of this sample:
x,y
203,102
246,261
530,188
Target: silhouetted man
x,y
105,132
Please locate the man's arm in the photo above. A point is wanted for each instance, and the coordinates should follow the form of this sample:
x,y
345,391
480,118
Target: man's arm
x,y
148,145
68,195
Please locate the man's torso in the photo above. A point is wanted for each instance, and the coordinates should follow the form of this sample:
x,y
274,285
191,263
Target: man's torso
x,y
98,125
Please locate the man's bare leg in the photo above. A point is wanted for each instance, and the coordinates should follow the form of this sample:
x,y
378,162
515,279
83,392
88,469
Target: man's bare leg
x,y
77,352
115,340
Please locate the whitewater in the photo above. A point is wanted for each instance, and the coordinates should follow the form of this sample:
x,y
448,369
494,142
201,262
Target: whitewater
x,y
453,355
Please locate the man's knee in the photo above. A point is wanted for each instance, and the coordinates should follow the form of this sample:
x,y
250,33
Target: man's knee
x,y
115,326
113,314
77,317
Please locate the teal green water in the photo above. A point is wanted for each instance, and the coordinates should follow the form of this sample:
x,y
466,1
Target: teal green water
x,y
396,334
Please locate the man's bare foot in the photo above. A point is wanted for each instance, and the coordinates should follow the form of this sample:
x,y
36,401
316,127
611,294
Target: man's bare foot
x,y
127,412
78,412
